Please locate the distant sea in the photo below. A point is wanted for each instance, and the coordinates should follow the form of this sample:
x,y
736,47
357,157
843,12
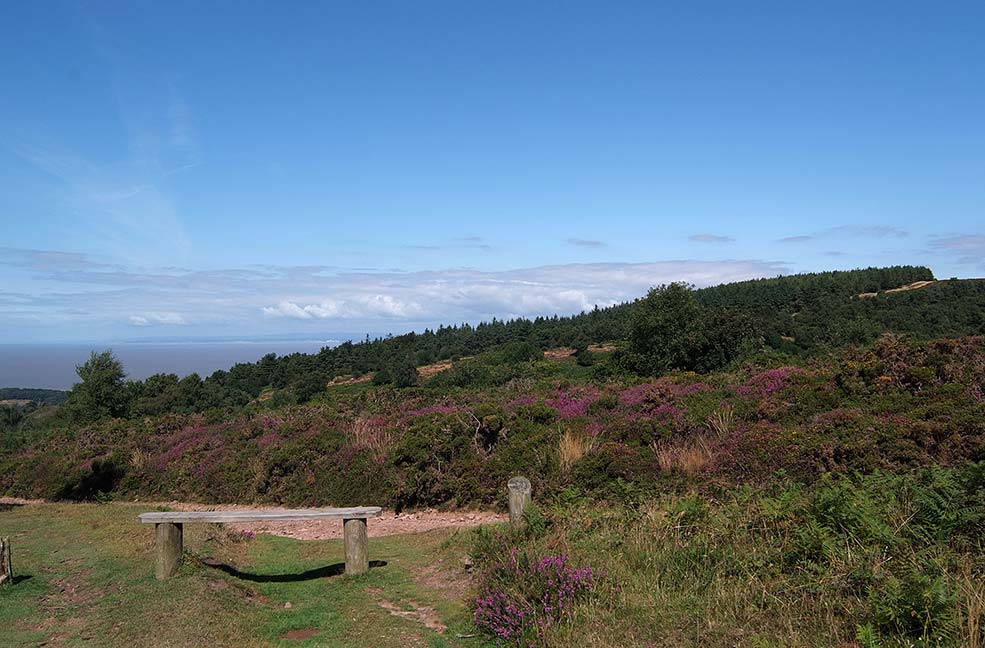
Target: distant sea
x,y
52,366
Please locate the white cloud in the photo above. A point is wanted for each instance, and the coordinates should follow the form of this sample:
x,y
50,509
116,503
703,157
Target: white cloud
x,y
74,292
356,306
451,295
152,319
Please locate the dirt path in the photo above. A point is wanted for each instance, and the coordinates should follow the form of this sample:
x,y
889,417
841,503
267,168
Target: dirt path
x,y
389,523
18,501
916,285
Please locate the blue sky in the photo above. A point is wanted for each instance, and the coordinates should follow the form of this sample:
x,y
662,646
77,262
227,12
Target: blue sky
x,y
248,169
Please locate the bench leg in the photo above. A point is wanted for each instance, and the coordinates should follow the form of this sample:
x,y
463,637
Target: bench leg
x,y
167,538
356,546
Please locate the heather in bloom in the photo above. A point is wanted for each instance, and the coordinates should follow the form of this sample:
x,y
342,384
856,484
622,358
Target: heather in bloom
x,y
268,439
504,617
519,402
523,599
666,413
571,406
658,391
769,382
182,442
692,388
594,429
635,395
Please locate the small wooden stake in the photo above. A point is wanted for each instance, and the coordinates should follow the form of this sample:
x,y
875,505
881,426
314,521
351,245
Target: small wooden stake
x,y
519,494
168,538
6,569
356,546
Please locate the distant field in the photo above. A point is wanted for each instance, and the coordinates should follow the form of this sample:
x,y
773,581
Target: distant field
x,y
85,578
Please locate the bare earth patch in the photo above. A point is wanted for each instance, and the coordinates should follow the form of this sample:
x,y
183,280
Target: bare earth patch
x,y
18,501
427,371
601,348
349,380
913,286
389,523
423,614
916,285
559,353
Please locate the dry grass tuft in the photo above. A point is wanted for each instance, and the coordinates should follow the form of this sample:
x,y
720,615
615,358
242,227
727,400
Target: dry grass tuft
x,y
139,459
688,457
372,434
972,611
721,421
573,446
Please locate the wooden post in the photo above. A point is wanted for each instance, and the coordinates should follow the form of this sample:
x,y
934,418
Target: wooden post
x,y
6,569
168,538
356,546
519,493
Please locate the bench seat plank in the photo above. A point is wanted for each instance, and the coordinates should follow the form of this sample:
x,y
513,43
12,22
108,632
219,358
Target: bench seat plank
x,y
247,515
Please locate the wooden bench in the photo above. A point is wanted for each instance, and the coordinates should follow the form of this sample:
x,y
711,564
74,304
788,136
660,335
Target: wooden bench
x,y
168,531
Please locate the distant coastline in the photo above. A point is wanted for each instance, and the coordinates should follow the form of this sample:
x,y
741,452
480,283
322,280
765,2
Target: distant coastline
x,y
52,366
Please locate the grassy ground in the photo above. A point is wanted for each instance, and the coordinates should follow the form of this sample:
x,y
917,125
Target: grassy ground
x,y
85,577
869,561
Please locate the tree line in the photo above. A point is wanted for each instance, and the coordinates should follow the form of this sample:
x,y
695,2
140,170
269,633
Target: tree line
x,y
674,327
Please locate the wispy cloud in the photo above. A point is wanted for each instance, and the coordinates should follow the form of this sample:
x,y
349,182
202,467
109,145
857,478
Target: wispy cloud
x,y
52,260
71,291
797,239
968,248
123,202
183,137
589,243
849,231
121,206
710,238
462,242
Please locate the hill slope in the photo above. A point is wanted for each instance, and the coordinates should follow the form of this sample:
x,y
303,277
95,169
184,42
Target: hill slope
x,y
799,314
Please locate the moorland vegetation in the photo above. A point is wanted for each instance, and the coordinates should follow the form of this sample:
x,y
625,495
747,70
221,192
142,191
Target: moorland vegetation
x,y
792,461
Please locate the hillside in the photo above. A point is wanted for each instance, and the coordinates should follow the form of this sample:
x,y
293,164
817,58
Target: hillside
x,y
894,405
799,315
820,484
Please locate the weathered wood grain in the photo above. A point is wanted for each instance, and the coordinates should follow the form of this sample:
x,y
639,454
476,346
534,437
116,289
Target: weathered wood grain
x,y
6,568
356,546
168,531
519,498
169,543
246,515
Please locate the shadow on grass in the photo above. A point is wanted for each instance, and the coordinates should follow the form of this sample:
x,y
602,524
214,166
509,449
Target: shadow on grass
x,y
321,572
